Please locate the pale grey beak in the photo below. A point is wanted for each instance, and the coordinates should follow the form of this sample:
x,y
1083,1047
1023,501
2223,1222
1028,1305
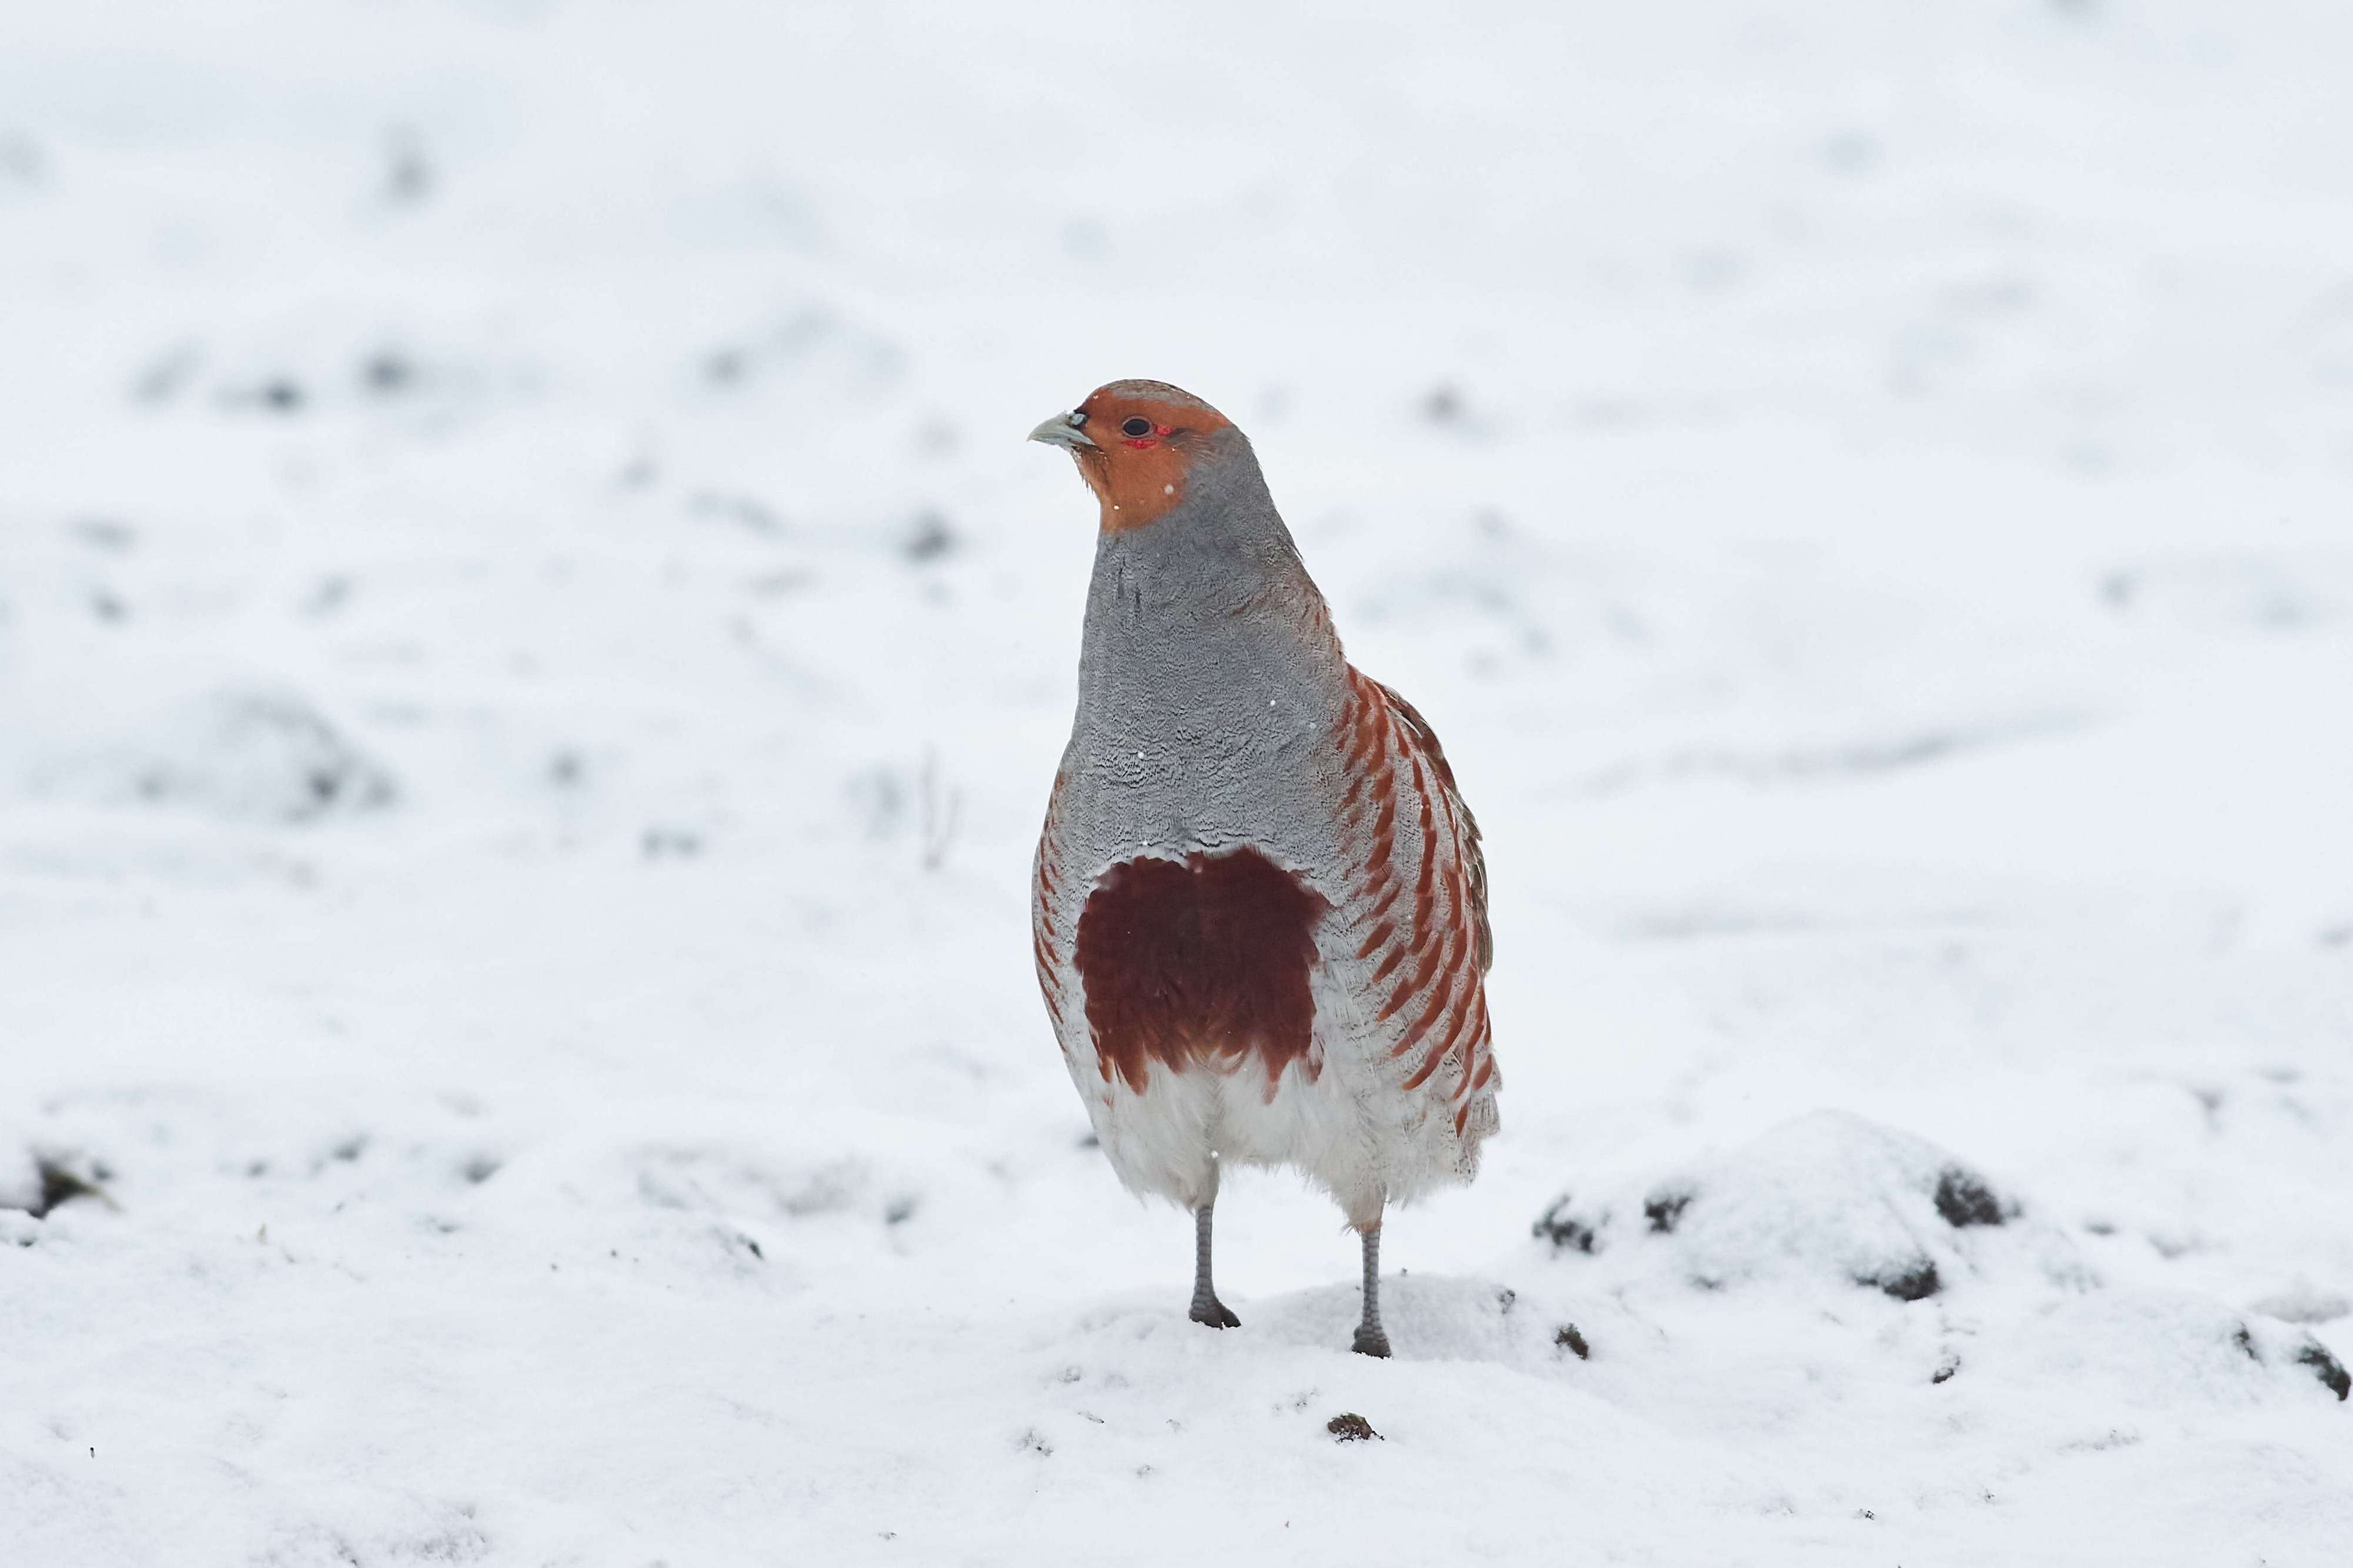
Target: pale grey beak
x,y
1062,430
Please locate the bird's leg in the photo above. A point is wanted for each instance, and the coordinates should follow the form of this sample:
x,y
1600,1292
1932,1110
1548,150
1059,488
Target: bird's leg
x,y
1370,1340
1206,1308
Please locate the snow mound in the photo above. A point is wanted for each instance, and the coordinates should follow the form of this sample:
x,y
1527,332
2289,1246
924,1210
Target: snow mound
x,y
1429,1317
1832,1237
243,755
1832,1197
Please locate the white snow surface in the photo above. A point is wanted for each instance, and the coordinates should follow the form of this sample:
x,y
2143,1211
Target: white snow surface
x,y
531,652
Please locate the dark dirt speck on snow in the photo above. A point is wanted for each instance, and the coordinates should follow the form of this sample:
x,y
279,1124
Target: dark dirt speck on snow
x,y
1564,1230
1664,1209
1963,1200
1914,1280
2325,1367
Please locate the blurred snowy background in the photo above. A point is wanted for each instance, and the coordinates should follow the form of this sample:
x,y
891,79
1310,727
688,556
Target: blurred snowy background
x,y
531,650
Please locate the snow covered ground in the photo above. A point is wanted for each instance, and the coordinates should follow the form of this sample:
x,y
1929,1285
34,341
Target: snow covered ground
x,y
531,650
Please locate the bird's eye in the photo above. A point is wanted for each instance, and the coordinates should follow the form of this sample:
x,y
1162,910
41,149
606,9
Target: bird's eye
x,y
1138,425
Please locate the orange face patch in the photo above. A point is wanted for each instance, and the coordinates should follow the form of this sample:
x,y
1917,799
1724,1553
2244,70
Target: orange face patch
x,y
1146,438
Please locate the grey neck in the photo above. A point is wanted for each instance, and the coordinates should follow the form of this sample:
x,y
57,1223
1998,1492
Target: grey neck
x,y
1212,593
1209,674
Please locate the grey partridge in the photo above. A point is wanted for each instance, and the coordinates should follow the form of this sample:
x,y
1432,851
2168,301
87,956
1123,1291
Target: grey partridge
x,y
1260,910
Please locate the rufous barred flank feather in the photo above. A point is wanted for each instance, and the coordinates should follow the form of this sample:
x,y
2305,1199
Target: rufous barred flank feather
x,y
1260,916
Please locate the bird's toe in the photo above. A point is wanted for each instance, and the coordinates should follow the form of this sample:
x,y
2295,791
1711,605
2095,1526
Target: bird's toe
x,y
1214,1313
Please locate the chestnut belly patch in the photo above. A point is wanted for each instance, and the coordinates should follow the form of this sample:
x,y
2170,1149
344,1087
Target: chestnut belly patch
x,y
1199,962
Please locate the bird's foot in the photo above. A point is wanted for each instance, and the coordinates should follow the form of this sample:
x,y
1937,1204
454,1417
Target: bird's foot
x,y
1371,1341
1215,1313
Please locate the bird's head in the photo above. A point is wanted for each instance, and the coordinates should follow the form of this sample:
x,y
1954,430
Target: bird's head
x,y
1136,443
